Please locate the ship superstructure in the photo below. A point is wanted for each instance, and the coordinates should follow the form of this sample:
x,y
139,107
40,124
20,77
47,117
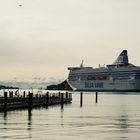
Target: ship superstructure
x,y
119,76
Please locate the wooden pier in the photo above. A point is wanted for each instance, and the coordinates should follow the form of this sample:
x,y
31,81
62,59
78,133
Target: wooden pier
x,y
9,101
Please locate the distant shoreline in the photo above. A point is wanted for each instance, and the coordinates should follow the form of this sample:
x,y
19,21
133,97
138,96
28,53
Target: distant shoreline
x,y
8,87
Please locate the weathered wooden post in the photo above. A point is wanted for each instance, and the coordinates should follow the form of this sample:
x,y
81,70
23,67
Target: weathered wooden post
x,y
62,100
24,94
66,95
5,102
30,102
96,97
81,99
59,95
47,99
70,95
11,94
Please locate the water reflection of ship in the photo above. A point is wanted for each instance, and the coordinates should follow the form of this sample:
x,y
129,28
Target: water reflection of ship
x,y
123,122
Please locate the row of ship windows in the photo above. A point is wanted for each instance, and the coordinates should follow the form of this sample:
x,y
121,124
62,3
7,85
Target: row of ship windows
x,y
102,78
120,75
112,72
106,75
127,73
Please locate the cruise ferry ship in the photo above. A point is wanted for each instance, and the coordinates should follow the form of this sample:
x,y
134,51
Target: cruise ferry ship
x,y
119,76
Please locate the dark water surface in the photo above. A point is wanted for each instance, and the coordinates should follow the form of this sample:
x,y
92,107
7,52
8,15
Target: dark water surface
x,y
114,117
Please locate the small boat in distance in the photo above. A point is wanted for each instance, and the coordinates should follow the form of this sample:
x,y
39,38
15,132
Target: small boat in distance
x,y
119,76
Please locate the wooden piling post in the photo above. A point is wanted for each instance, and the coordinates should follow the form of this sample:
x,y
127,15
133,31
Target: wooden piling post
x,y
5,101
59,95
70,95
47,99
66,95
24,93
62,100
96,97
11,94
30,102
81,99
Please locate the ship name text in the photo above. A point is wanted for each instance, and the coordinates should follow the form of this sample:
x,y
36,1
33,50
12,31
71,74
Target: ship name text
x,y
93,84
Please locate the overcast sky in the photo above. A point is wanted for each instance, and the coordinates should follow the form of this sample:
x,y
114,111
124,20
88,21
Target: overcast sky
x,y
41,38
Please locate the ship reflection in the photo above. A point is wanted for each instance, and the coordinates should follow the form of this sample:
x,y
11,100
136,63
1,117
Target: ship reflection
x,y
123,123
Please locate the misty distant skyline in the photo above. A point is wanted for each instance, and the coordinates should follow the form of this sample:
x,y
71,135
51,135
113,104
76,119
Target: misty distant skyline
x,y
41,38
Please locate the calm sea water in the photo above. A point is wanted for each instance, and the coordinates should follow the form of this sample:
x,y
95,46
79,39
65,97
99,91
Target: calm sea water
x,y
114,117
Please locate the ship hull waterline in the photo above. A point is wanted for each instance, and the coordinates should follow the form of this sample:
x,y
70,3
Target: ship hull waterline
x,y
90,86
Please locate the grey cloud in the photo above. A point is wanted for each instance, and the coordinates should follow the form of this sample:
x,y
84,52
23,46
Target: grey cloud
x,y
7,50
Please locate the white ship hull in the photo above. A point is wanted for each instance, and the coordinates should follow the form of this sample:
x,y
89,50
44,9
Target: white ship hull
x,y
127,86
120,76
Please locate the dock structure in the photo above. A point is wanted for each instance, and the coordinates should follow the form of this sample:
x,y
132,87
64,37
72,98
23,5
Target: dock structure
x,y
28,101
